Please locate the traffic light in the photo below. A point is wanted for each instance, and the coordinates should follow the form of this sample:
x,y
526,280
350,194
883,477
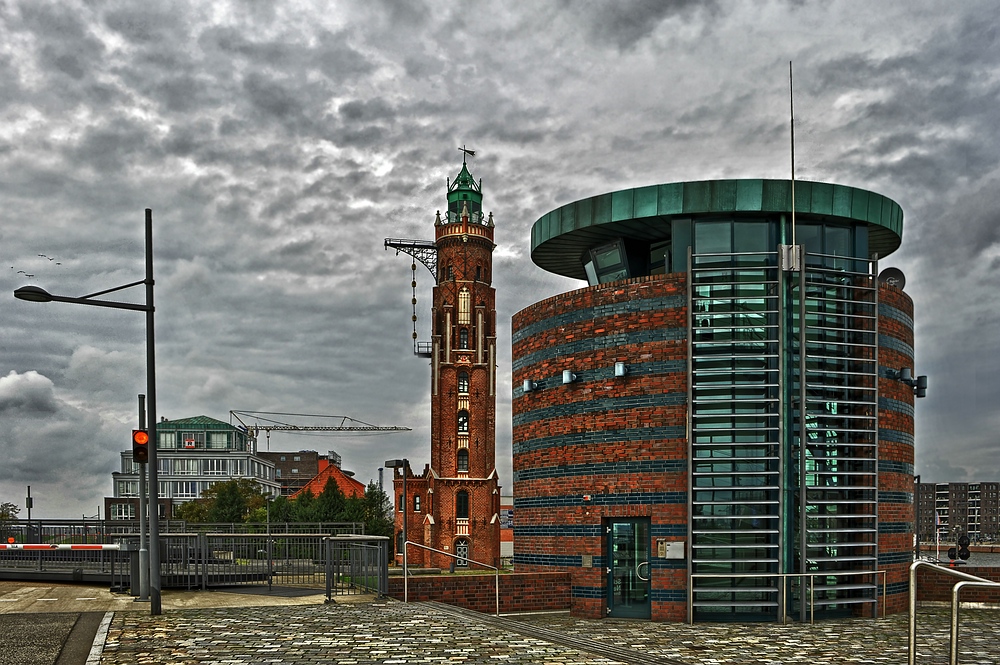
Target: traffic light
x,y
140,446
963,548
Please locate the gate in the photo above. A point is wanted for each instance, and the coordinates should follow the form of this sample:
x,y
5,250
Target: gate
x,y
357,565
287,559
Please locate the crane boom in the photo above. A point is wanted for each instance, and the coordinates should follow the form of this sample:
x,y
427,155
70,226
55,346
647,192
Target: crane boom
x,y
269,425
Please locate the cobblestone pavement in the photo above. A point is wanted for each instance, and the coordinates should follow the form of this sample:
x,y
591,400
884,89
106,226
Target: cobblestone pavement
x,y
386,631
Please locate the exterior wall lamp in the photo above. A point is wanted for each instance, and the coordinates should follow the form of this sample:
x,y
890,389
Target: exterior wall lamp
x,y
905,375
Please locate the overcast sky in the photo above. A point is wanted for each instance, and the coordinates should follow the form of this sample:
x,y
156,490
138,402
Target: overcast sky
x,y
279,144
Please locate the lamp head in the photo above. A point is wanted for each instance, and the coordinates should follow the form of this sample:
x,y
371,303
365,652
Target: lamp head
x,y
33,294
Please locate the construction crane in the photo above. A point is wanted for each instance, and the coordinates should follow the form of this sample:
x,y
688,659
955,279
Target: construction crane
x,y
266,424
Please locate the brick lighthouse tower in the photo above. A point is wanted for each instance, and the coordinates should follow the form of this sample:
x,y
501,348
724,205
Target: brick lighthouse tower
x,y
453,506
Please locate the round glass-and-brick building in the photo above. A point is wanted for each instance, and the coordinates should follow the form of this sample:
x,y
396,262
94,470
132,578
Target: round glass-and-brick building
x,y
718,426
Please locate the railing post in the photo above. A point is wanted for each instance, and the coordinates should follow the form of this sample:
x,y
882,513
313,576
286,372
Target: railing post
x,y
383,567
203,548
328,567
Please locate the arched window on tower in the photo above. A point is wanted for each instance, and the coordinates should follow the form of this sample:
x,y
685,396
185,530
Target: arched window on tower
x,y
479,273
462,505
463,421
463,383
463,338
463,460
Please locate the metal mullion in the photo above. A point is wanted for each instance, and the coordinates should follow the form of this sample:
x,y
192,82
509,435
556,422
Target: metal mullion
x,y
837,372
736,327
850,306
744,384
863,317
857,345
839,359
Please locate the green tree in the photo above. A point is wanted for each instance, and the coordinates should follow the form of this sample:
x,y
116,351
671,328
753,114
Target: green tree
x,y
230,505
8,515
304,508
279,512
377,511
192,511
330,503
229,501
8,512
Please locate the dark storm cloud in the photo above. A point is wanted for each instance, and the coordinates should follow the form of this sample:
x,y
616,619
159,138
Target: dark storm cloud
x,y
625,24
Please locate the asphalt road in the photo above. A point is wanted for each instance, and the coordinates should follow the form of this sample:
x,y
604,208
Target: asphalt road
x,y
56,638
51,624
55,624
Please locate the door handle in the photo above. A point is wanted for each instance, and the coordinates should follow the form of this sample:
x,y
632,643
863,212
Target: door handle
x,y
638,574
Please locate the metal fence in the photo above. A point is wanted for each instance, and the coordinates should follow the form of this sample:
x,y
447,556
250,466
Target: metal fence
x,y
98,531
337,563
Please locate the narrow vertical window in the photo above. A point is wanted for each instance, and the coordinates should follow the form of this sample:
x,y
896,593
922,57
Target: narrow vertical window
x,y
462,505
463,383
463,421
464,306
416,503
463,338
463,460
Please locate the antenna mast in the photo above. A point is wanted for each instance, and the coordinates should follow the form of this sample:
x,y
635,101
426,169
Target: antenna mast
x,y
791,115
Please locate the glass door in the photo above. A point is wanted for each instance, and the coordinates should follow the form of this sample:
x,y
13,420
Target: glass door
x,y
628,569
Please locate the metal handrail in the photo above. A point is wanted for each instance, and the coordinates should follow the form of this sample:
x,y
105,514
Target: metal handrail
x,y
784,584
967,581
406,577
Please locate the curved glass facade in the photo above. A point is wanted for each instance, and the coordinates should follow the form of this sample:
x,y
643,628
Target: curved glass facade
x,y
763,342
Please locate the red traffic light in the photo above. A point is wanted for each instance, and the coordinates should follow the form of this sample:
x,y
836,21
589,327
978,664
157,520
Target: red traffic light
x,y
140,446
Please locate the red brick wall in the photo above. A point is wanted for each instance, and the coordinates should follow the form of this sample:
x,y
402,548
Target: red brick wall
x,y
934,586
593,467
895,479
519,592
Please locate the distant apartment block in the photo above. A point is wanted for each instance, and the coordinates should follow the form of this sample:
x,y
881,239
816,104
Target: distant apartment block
x,y
956,509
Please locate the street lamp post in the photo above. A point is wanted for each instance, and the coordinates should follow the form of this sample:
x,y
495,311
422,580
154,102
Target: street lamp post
x,y
916,517
38,294
401,464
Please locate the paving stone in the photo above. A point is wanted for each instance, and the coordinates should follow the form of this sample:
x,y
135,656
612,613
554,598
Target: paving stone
x,y
390,632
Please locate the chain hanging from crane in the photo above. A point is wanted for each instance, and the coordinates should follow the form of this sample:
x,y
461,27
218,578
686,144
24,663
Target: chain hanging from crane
x,y
413,301
424,251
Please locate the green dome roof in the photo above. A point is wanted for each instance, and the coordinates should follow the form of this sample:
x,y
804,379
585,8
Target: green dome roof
x,y
560,238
